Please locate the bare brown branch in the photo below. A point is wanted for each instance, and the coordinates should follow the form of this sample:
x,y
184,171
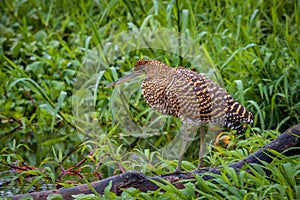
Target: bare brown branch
x,y
283,144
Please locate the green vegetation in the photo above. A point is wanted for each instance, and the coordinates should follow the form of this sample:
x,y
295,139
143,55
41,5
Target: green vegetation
x,y
254,44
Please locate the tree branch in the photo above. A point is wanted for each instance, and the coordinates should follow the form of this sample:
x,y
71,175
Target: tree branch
x,y
283,144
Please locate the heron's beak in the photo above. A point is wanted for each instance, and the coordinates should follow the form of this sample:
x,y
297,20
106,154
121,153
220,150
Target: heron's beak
x,y
125,79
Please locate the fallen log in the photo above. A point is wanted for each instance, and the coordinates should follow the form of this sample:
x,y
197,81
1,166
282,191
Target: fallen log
x,y
282,144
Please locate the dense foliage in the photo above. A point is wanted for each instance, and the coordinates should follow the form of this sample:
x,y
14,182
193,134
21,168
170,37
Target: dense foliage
x,y
254,44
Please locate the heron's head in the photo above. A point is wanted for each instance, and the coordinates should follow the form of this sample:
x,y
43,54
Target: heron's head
x,y
150,68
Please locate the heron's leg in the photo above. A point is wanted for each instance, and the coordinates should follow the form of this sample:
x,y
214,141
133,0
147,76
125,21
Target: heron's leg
x,y
183,145
201,151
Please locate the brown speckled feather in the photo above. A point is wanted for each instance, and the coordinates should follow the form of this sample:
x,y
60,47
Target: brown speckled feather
x,y
190,96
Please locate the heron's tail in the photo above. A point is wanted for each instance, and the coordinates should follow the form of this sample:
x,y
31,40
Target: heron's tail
x,y
236,116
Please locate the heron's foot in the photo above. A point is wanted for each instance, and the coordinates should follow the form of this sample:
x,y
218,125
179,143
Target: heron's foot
x,y
200,163
177,170
200,167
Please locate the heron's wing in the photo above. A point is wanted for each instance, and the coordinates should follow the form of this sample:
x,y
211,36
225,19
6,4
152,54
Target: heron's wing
x,y
215,105
200,99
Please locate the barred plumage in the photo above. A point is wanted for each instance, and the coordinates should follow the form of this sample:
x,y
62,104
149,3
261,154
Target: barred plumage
x,y
190,96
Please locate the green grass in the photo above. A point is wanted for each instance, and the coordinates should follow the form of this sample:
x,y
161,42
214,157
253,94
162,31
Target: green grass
x,y
44,44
